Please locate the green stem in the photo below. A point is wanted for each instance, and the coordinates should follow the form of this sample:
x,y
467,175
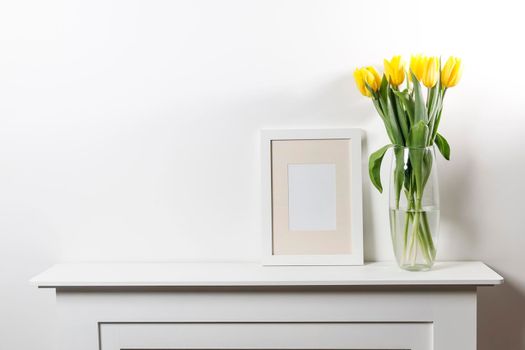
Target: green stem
x,y
424,239
417,245
419,229
408,219
414,254
425,229
412,247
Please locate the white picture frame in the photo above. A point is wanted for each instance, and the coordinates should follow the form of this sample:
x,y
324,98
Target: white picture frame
x,y
355,211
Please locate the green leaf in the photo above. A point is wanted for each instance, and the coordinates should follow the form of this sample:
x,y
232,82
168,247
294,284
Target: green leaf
x,y
420,110
384,117
383,86
396,131
418,135
374,166
383,95
389,118
427,166
439,110
416,159
408,104
443,146
433,102
417,139
399,116
378,108
399,172
436,105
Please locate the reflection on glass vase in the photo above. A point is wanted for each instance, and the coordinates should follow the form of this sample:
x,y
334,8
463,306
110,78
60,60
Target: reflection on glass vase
x,y
414,207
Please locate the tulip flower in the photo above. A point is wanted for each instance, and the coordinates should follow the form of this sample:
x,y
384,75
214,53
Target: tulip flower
x,y
367,75
451,72
395,71
416,66
426,69
430,71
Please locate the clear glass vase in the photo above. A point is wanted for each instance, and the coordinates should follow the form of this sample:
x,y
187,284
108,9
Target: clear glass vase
x,y
414,207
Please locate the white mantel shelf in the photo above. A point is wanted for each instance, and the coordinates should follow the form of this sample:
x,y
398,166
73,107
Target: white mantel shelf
x,y
72,275
232,306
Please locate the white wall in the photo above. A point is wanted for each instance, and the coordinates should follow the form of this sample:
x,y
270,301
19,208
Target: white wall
x,y
128,131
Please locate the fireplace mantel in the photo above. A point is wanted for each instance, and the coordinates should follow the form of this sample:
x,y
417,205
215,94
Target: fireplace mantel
x,y
113,306
253,274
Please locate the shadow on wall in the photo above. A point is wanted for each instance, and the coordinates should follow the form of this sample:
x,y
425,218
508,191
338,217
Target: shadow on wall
x,y
457,189
501,318
369,240
467,212
501,309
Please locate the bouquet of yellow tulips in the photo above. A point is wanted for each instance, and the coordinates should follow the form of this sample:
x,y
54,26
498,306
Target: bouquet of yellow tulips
x,y
411,117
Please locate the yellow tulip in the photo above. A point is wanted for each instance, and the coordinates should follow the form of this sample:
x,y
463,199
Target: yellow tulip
x,y
451,72
426,69
368,75
395,70
416,66
431,72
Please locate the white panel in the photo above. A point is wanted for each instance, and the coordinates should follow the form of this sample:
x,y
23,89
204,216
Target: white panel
x,y
348,336
312,197
451,311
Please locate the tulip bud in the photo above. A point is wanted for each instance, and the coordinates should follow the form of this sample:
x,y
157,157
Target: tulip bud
x,y
416,66
367,75
430,72
395,70
426,69
451,72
